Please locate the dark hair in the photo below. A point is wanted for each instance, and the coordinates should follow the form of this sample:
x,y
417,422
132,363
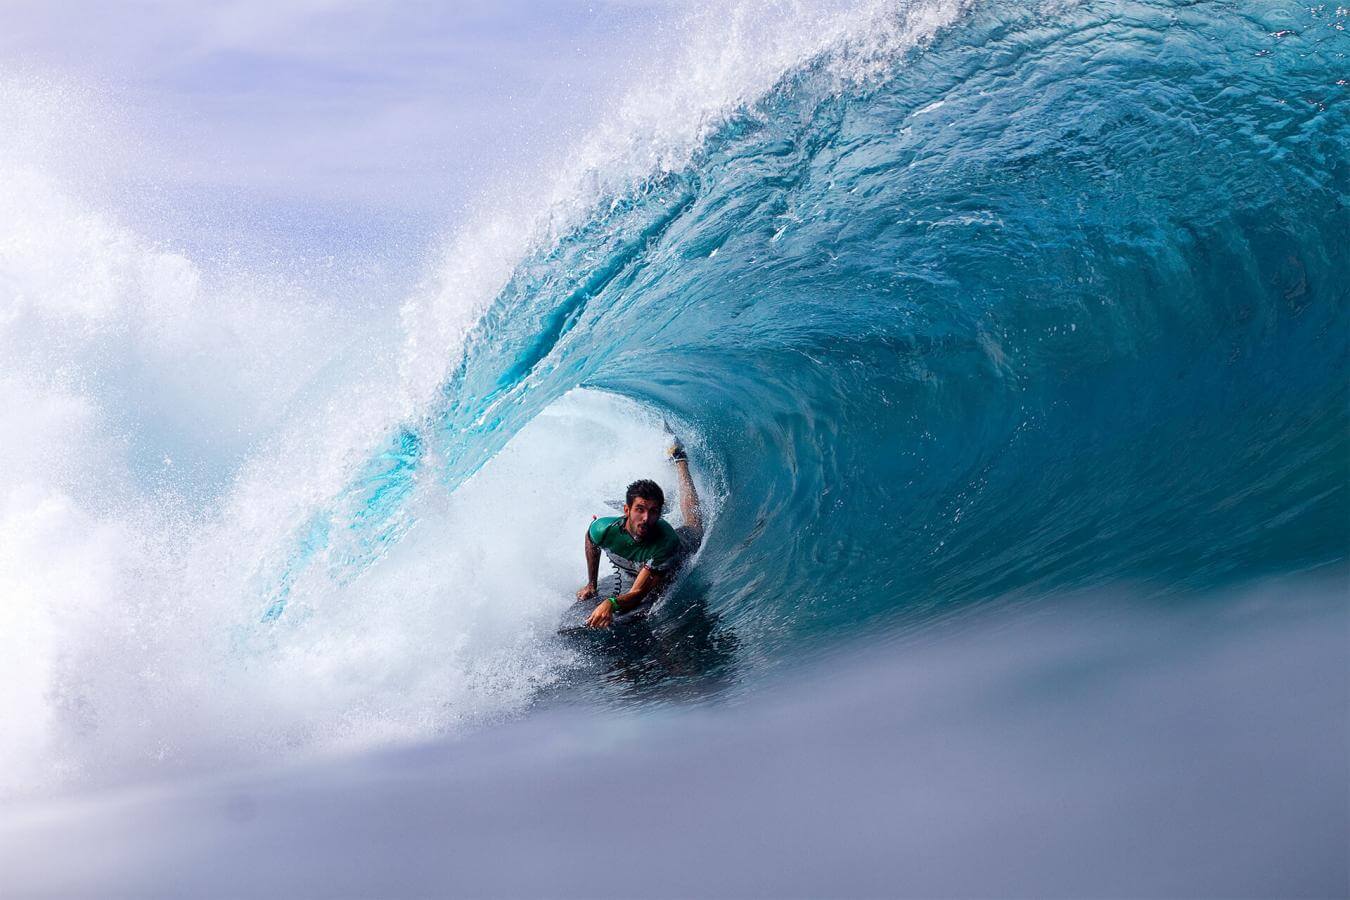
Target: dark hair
x,y
647,490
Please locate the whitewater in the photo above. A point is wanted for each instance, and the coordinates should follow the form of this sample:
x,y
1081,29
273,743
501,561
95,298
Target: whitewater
x,y
1010,344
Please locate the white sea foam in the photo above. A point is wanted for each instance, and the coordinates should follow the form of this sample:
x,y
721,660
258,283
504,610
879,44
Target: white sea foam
x,y
166,426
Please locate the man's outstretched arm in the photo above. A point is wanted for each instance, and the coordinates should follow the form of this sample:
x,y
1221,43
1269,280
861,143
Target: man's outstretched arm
x,y
588,590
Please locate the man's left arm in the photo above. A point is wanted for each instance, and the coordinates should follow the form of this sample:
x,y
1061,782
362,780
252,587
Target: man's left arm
x,y
647,580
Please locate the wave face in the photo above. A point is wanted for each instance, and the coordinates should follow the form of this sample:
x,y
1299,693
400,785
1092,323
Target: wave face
x,y
1056,300
976,303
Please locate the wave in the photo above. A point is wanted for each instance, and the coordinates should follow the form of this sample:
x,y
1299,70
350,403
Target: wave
x,y
1053,301
959,304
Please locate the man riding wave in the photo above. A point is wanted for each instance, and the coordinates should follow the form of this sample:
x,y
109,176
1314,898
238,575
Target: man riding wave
x,y
645,550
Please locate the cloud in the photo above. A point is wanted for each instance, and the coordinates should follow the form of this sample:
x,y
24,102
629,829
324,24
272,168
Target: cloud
x,y
349,107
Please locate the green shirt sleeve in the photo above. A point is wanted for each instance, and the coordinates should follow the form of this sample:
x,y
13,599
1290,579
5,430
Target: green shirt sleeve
x,y
597,529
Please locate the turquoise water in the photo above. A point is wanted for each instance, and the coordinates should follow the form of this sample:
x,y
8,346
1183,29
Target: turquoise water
x,y
1047,303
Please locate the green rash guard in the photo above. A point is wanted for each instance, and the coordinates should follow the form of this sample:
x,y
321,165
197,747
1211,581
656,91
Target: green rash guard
x,y
660,552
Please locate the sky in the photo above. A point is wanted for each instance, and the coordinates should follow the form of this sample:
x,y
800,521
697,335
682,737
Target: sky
x,y
308,127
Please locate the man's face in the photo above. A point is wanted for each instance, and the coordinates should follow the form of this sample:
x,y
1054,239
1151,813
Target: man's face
x,y
642,515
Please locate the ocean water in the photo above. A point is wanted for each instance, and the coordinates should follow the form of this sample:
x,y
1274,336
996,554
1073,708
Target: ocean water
x,y
1010,343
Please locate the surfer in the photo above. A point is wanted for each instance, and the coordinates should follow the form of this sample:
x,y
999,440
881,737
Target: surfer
x,y
644,548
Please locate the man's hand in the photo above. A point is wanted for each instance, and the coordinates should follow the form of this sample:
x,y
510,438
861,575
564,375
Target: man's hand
x,y
587,591
601,616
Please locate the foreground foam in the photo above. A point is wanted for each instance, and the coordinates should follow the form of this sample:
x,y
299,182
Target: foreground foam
x,y
1106,747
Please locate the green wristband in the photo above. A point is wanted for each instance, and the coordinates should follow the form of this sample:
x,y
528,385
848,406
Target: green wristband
x,y
614,602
